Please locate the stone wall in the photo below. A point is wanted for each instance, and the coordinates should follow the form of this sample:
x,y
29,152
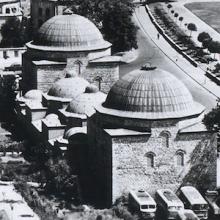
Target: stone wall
x,y
130,168
119,163
107,72
47,75
37,76
108,121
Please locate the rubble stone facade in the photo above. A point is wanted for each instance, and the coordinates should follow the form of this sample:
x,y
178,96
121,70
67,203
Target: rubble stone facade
x,y
138,152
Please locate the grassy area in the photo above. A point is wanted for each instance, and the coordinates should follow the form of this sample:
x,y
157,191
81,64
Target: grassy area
x,y
209,12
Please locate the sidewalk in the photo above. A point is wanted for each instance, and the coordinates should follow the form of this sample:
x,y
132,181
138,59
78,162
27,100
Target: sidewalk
x,y
197,74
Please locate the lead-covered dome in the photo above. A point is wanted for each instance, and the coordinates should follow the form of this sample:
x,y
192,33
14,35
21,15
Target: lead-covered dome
x,y
86,103
33,95
68,87
70,32
150,93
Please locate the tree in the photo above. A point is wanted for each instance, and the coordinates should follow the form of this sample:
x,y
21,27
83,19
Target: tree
x,y
212,119
14,33
191,27
114,19
203,36
214,47
181,20
176,15
206,43
172,11
169,6
60,180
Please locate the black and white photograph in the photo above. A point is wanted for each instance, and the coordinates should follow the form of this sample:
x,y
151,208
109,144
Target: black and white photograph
x,y
109,109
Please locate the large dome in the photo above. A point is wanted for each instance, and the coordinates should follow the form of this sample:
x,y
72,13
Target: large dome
x,y
150,93
69,32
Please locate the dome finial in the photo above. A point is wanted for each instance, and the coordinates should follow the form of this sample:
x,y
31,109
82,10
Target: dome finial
x,y
70,72
67,11
148,66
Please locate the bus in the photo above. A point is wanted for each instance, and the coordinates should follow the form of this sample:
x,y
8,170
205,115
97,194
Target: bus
x,y
193,200
141,202
168,203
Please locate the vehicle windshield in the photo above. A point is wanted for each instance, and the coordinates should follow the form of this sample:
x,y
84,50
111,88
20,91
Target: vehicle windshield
x,y
172,208
152,206
179,207
200,206
144,207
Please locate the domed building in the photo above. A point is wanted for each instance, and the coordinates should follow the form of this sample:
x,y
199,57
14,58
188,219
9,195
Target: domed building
x,y
70,41
54,116
81,107
147,134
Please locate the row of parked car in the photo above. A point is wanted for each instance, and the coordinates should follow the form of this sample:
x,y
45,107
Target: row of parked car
x,y
180,37
187,204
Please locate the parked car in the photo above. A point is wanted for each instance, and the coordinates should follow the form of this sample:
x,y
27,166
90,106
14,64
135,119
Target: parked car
x,y
168,204
142,203
193,200
213,199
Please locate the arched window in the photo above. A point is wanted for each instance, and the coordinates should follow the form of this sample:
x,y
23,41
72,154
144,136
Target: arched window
x,y
7,11
14,10
150,159
40,11
165,136
180,160
47,13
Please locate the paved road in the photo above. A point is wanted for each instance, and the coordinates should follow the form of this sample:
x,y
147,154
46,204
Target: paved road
x,y
149,52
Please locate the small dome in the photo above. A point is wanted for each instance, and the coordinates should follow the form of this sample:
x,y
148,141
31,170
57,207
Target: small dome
x,y
52,119
68,87
70,32
75,130
86,103
33,97
151,93
33,94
